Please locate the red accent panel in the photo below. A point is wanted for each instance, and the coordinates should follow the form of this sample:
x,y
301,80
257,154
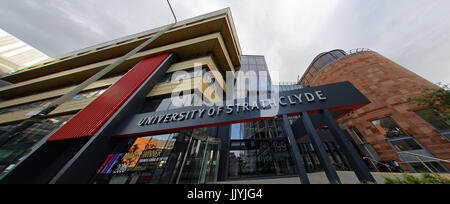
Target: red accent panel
x,y
89,120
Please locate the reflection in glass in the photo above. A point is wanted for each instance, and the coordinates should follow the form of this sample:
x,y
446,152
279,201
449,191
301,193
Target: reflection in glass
x,y
256,158
43,103
405,145
143,163
19,145
261,151
389,128
186,157
436,120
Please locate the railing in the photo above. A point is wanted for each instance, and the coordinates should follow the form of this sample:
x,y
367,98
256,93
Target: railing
x,y
419,156
284,83
358,50
374,162
428,157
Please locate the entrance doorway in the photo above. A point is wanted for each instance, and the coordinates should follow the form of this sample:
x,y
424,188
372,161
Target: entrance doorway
x,y
200,165
188,157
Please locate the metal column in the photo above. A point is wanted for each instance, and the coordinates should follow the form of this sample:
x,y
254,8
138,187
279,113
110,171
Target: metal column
x,y
358,165
321,153
297,156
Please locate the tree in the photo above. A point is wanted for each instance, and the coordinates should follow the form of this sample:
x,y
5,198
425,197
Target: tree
x,y
436,98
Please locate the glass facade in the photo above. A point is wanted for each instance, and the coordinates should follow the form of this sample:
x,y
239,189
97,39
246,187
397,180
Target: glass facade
x,y
310,156
320,62
261,150
42,103
184,157
15,147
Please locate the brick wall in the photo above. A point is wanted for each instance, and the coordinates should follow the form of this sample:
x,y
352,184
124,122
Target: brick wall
x,y
388,85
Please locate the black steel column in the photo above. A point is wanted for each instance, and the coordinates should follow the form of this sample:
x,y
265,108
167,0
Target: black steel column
x,y
343,159
358,165
311,156
297,156
321,153
224,163
302,152
336,162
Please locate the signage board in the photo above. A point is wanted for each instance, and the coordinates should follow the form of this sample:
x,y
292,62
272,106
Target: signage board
x,y
334,97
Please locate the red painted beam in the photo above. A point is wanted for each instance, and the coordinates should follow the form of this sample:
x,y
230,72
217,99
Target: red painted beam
x,y
89,120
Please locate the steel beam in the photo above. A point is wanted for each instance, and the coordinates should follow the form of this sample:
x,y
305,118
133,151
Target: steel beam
x,y
296,153
358,165
320,150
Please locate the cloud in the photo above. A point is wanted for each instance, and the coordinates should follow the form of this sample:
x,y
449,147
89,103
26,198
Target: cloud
x,y
290,33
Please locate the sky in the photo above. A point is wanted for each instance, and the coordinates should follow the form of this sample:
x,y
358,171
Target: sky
x,y
289,33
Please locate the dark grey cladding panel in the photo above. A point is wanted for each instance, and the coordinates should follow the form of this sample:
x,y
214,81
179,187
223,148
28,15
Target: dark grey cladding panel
x,y
337,95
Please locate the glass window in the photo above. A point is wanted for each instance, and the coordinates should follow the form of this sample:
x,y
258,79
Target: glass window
x,y
323,61
360,136
244,60
42,103
446,135
144,161
260,60
433,166
251,60
261,151
190,156
389,128
406,145
260,157
435,119
337,54
19,145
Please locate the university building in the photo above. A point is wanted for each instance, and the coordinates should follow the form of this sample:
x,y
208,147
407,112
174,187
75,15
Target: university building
x,y
391,131
16,54
126,128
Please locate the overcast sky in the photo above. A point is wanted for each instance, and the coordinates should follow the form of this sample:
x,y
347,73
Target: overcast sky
x,y
290,33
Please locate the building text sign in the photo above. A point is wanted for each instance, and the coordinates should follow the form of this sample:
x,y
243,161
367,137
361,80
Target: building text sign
x,y
340,96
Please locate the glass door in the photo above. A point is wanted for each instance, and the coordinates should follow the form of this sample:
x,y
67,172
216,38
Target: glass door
x,y
210,167
200,165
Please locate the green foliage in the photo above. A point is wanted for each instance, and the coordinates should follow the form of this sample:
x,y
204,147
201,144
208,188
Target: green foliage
x,y
369,183
438,98
425,179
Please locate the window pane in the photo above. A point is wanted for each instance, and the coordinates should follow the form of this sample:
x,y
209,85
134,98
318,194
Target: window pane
x,y
21,143
434,118
360,136
389,128
405,145
446,135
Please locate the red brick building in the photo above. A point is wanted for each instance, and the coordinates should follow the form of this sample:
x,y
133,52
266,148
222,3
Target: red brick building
x,y
390,128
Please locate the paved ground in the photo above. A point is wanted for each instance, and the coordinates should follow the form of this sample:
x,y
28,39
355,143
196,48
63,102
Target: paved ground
x,y
320,178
